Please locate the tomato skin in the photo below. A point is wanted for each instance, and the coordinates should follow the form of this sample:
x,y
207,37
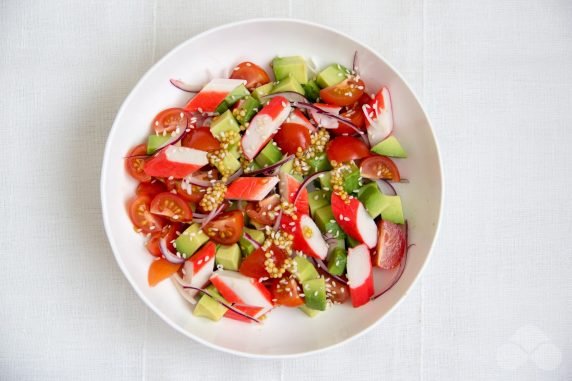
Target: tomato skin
x,y
150,189
171,206
141,216
135,165
160,270
195,196
226,228
263,212
337,292
391,245
202,139
169,120
253,265
287,294
346,148
355,115
380,167
153,246
290,136
344,93
253,74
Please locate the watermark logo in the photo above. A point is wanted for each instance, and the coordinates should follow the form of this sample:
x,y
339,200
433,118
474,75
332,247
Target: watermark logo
x,y
529,343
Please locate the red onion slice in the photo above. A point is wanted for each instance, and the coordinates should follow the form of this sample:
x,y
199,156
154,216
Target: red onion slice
x,y
235,176
184,86
170,256
213,214
278,220
137,157
323,266
190,179
292,96
385,187
309,106
252,240
305,183
401,268
271,167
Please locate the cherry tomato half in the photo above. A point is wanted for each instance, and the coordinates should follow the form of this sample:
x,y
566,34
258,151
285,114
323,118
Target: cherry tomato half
x,y
253,265
150,189
291,136
286,292
191,193
344,93
263,212
253,74
379,167
142,217
135,165
171,206
169,120
346,148
353,113
226,228
201,139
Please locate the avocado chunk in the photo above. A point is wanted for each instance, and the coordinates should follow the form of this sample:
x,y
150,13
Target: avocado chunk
x,y
246,247
190,240
337,261
247,108
224,123
209,308
156,141
326,181
228,163
377,203
234,96
304,269
332,75
288,168
315,294
326,222
308,311
228,257
311,91
261,91
352,179
288,84
319,163
352,242
389,147
318,199
295,66
269,155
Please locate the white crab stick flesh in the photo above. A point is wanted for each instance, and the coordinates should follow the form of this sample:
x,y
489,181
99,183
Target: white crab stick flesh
x,y
214,92
354,219
379,116
242,290
308,238
264,125
198,269
360,275
177,162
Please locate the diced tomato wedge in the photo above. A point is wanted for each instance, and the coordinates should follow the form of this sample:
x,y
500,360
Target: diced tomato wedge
x,y
201,139
379,167
153,245
263,212
135,163
344,93
226,228
292,136
286,292
253,74
346,148
171,206
253,265
150,189
141,216
169,120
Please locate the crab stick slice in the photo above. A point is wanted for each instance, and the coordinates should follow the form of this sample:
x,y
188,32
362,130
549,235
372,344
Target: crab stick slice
x,y
288,187
177,162
360,275
354,219
250,188
214,92
198,269
379,116
324,120
264,125
308,238
297,117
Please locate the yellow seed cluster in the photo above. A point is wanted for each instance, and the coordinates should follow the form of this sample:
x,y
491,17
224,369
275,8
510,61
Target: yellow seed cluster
x,y
283,241
337,179
216,158
289,209
228,139
318,141
239,115
213,197
245,163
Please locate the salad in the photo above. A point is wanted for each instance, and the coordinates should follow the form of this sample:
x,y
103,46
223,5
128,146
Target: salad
x,y
262,192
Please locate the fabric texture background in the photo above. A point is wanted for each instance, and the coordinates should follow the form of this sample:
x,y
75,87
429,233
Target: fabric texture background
x,y
496,80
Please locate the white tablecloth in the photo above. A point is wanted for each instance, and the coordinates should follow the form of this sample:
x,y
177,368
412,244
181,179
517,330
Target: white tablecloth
x,y
495,301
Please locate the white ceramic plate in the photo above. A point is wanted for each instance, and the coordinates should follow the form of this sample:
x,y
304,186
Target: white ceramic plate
x,y
286,332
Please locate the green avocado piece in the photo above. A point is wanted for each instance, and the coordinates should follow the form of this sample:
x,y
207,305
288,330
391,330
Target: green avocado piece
x,y
308,311
312,91
288,84
190,240
247,108
352,179
246,247
156,141
229,162
352,242
392,210
269,155
318,199
389,147
326,222
315,294
337,261
295,66
326,181
228,256
332,75
223,123
304,269
319,163
288,168
209,308
377,203
261,91
234,96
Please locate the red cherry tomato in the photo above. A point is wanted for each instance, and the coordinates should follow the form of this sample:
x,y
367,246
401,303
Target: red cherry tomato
x,y
253,265
379,167
171,206
150,189
391,245
192,193
135,165
153,245
344,93
253,74
169,120
142,217
353,113
286,292
346,148
201,139
263,212
226,228
291,136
